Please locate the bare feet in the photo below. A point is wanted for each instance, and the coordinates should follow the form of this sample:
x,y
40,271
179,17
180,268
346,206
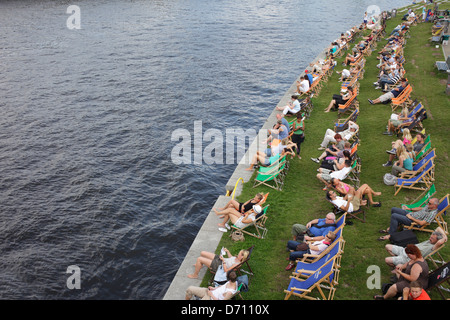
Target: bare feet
x,y
192,276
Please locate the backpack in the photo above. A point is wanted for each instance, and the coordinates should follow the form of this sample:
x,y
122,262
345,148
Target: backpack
x,y
389,179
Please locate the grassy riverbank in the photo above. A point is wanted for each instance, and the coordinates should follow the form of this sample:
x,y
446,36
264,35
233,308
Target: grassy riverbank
x,y
302,198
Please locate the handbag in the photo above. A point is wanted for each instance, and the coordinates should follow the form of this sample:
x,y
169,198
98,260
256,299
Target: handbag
x,y
302,247
237,236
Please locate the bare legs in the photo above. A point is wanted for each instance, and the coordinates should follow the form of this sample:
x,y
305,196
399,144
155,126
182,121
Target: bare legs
x,y
205,259
366,190
258,157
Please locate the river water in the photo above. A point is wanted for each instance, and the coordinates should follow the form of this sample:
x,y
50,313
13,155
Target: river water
x,y
87,177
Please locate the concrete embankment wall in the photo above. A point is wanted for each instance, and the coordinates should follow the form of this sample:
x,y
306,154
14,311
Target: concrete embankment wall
x,y
209,236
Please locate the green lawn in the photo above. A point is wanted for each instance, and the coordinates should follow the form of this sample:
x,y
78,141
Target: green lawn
x,y
302,198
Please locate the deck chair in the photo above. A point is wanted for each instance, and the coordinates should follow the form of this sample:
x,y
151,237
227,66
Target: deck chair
x,y
303,270
259,224
435,262
302,288
422,199
350,105
342,124
420,180
402,99
354,174
310,258
271,176
438,277
420,164
425,150
439,219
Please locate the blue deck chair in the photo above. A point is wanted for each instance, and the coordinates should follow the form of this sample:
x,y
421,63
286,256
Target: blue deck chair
x,y
318,280
439,219
303,269
312,258
421,180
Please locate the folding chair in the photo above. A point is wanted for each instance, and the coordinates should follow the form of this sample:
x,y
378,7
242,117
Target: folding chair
x,y
402,99
259,225
304,269
420,180
271,176
438,277
318,280
311,258
434,261
425,149
420,164
439,219
342,124
422,199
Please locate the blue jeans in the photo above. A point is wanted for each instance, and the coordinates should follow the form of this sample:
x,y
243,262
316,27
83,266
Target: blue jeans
x,y
398,216
291,245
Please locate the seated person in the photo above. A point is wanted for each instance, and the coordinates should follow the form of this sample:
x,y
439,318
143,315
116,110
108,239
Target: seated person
x,y
338,99
236,218
348,203
346,135
315,229
416,269
347,74
292,107
398,119
326,175
279,131
322,66
391,94
273,154
345,189
392,77
404,162
339,145
399,256
223,292
417,147
303,85
242,208
315,248
415,291
213,261
351,57
336,163
406,216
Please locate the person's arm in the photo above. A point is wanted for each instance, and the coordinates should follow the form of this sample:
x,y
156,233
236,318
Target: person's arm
x,y
415,273
417,221
348,198
441,241
309,224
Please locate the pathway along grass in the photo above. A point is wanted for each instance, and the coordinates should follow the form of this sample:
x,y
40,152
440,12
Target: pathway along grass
x,y
302,198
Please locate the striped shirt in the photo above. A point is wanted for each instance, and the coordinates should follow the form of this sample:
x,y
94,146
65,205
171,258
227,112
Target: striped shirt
x,y
424,215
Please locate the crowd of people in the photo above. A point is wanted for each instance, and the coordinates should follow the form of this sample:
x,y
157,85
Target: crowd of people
x,y
336,162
